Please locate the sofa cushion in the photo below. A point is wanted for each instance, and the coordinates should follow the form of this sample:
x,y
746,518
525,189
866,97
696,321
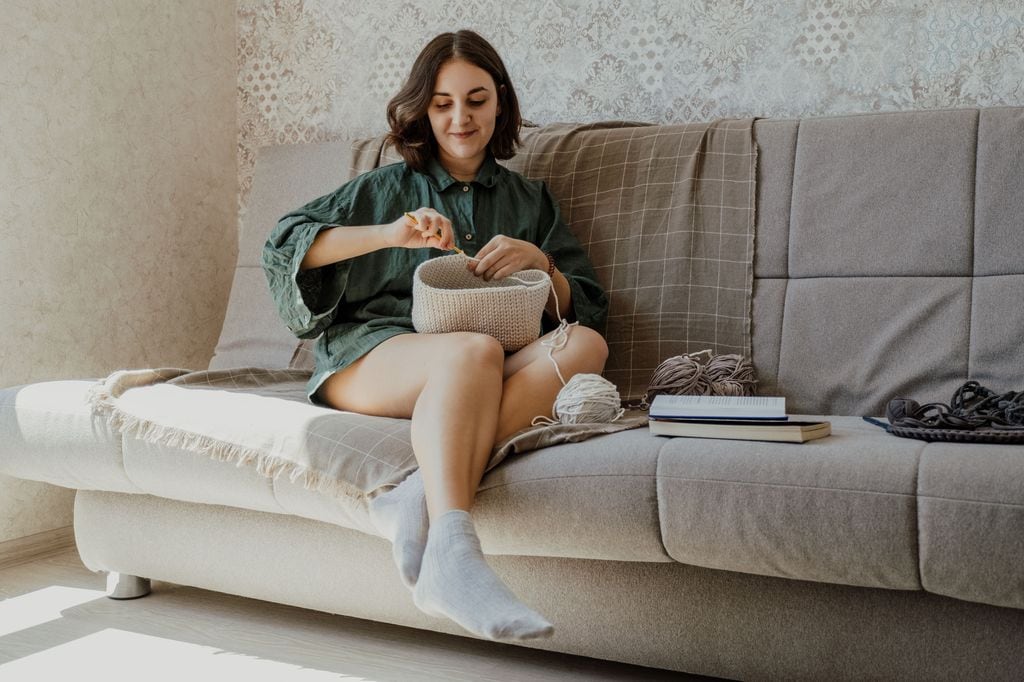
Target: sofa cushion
x,y
996,354
180,474
286,176
971,500
48,433
841,509
999,192
858,342
589,500
575,500
259,418
886,173
252,334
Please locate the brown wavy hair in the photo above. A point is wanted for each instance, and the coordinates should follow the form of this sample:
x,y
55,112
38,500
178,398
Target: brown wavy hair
x,y
411,134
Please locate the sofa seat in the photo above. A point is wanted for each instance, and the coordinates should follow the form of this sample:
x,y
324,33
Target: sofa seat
x,y
51,435
840,510
612,511
859,508
577,500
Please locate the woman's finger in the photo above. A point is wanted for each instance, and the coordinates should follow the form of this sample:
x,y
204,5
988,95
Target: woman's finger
x,y
447,233
436,228
499,263
485,263
504,271
433,221
485,250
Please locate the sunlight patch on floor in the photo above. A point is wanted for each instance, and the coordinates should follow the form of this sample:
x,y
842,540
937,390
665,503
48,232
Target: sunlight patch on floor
x,y
38,607
113,654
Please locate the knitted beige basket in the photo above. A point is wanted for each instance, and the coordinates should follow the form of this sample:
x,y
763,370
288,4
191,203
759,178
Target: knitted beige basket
x,y
448,298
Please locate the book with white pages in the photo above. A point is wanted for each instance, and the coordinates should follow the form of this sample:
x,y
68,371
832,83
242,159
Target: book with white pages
x,y
743,429
769,408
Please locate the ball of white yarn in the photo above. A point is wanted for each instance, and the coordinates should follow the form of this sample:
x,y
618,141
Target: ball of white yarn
x,y
587,398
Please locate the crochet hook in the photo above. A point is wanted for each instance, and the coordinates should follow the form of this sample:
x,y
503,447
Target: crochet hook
x,y
411,217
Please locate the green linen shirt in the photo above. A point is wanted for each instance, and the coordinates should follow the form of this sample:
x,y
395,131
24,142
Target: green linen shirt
x,y
357,303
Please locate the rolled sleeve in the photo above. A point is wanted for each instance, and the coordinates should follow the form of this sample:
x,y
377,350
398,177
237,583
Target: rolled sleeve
x,y
307,300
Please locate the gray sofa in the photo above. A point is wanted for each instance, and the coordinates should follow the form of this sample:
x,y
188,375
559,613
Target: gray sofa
x,y
889,261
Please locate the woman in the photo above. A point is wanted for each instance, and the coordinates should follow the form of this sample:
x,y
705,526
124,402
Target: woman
x,y
342,266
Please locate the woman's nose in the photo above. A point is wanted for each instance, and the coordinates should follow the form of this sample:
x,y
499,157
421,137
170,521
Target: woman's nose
x,y
462,114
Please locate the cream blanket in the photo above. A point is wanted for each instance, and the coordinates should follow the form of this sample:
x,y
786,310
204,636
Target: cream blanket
x,y
260,417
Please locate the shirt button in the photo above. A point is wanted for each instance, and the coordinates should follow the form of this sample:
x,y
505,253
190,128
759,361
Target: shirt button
x,y
469,237
465,188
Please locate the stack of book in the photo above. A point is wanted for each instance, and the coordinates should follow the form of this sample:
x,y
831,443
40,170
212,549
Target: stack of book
x,y
730,417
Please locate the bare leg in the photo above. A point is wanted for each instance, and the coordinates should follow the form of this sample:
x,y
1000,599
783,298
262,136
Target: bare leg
x,y
531,383
453,556
450,386
463,396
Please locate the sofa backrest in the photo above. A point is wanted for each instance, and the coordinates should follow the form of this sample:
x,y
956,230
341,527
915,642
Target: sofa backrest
x,y
889,256
284,178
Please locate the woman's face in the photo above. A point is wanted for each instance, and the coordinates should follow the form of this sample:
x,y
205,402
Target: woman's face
x,y
462,113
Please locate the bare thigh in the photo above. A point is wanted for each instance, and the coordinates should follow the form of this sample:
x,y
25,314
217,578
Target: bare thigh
x,y
590,342
388,380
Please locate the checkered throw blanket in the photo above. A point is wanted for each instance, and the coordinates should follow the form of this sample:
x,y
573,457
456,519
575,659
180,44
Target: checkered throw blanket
x,y
261,418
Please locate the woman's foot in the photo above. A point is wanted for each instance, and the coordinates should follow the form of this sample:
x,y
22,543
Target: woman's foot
x,y
456,581
400,515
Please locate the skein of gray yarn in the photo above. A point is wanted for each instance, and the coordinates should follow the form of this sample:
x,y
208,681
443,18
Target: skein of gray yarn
x,y
721,375
731,375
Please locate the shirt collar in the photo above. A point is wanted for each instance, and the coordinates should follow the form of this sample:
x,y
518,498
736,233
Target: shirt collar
x,y
442,179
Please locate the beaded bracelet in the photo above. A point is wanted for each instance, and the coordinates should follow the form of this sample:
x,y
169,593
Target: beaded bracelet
x,y
551,264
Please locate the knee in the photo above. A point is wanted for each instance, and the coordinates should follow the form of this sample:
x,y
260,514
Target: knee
x,y
590,346
469,349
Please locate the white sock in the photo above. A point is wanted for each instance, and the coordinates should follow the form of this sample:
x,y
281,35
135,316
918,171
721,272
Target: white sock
x,y
456,581
400,515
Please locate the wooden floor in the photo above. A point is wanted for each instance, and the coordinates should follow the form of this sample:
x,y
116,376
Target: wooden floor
x,y
57,623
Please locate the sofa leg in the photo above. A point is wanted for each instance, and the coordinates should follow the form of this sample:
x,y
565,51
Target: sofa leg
x,y
122,586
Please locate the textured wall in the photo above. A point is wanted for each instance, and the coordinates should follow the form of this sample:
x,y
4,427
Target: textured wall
x,y
309,71
118,188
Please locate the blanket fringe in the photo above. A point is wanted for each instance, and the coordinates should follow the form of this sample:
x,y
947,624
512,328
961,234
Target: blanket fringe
x,y
268,466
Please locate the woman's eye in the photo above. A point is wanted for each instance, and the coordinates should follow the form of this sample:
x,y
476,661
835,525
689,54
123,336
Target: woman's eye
x,y
471,102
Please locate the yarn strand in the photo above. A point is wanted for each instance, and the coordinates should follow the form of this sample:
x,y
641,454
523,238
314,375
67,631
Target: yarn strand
x,y
585,398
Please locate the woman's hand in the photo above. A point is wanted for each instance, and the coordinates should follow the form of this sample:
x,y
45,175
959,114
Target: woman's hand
x,y
504,256
430,229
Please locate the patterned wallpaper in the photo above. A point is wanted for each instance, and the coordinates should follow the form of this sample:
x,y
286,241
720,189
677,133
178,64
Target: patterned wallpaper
x,y
309,70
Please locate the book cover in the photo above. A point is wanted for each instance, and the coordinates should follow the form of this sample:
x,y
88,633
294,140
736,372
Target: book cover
x,y
788,431
717,407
